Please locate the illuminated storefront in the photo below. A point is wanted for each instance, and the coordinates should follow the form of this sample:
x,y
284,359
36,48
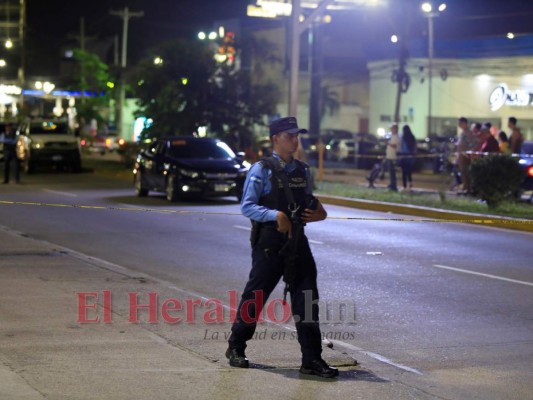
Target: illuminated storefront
x,y
486,80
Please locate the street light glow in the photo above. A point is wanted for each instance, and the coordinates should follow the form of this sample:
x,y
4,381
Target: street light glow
x,y
428,7
2,63
212,35
9,44
510,35
48,87
201,35
158,61
394,39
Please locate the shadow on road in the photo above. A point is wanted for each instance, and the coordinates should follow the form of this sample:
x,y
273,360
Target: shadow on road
x,y
159,200
349,375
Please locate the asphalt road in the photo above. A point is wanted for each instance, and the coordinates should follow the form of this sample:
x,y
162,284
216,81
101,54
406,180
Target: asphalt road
x,y
445,309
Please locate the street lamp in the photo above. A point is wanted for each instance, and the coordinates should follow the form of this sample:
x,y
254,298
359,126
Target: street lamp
x,y
427,8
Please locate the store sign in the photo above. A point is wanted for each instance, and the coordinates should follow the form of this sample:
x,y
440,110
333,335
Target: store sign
x,y
514,98
10,89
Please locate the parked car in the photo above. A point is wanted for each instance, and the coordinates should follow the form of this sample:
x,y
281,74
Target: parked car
x,y
526,162
47,142
340,150
327,135
188,166
310,144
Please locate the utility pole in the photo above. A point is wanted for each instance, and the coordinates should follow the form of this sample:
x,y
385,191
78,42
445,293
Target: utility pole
x,y
125,14
82,40
315,72
297,28
402,78
22,37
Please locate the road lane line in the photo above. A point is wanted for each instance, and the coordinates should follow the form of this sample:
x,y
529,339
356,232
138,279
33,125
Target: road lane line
x,y
125,271
375,356
61,193
501,278
247,228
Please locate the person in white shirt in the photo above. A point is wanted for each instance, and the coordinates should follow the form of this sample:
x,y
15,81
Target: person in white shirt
x,y
391,156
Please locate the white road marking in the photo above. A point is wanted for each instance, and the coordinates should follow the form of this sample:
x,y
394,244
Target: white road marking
x,y
109,266
501,278
375,356
61,193
247,228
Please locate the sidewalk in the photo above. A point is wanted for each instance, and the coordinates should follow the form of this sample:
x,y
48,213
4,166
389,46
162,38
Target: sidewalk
x,y
45,353
422,183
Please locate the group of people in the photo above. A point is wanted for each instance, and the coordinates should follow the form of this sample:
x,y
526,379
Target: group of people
x,y
405,147
477,138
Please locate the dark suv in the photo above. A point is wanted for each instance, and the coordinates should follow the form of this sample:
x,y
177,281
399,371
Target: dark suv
x,y
188,166
47,142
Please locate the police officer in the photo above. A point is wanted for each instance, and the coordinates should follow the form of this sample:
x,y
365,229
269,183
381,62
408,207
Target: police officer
x,y
265,202
9,139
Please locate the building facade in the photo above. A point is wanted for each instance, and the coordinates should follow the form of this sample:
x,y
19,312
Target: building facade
x,y
485,80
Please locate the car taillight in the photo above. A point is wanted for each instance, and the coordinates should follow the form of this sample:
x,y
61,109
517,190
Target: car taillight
x,y
530,171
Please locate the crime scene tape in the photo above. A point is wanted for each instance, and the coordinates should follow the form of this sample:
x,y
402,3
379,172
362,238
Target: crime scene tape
x,y
487,221
450,154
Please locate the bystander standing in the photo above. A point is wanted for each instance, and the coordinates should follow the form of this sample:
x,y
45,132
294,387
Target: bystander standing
x,y
391,154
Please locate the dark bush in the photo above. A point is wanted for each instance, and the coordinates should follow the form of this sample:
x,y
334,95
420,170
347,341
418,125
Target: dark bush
x,y
495,178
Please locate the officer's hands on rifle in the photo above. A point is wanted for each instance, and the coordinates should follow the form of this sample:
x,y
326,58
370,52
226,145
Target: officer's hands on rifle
x,y
314,215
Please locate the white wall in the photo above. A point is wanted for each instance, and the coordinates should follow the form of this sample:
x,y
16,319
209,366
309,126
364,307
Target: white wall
x,y
463,93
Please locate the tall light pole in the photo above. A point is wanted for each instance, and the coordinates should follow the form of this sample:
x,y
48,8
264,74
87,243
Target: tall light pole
x,y
126,14
427,8
297,28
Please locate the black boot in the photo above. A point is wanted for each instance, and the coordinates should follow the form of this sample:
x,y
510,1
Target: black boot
x,y
237,358
320,368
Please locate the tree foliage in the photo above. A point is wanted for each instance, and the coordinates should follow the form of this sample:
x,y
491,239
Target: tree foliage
x,y
92,75
190,89
496,177
175,93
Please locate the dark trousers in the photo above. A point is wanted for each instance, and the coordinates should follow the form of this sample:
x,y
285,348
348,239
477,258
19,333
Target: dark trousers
x,y
391,168
11,155
267,270
407,164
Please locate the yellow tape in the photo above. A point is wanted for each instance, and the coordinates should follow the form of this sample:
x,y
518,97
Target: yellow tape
x,y
487,221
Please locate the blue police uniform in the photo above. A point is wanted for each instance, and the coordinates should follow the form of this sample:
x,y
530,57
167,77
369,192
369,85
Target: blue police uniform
x,y
10,154
263,197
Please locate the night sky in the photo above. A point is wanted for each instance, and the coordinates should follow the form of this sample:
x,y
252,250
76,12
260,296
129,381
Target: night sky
x,y
50,21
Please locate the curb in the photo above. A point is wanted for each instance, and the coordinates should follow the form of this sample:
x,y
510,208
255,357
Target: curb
x,y
516,224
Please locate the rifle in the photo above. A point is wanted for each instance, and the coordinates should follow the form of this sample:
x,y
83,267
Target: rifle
x,y
289,251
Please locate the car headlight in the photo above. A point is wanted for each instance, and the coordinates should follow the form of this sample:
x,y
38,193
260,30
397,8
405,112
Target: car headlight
x,y
189,173
37,145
